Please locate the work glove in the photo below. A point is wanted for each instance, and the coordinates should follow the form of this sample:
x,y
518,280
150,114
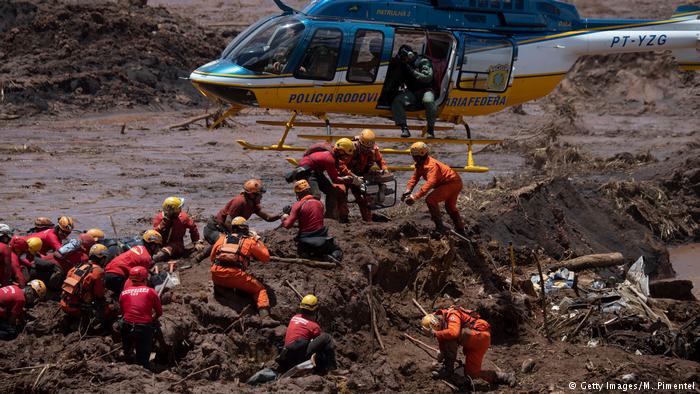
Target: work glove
x,y
284,217
357,181
405,195
410,200
200,245
287,209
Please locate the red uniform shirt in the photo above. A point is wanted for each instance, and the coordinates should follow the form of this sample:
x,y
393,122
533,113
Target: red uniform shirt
x,y
362,161
238,206
9,267
309,212
49,240
173,230
138,304
301,328
435,174
136,256
322,161
11,302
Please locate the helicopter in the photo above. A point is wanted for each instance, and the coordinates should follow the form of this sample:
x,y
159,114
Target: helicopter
x,y
337,56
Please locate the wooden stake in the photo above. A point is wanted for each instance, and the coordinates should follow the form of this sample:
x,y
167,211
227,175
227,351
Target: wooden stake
x,y
422,344
512,265
286,282
306,262
189,121
373,316
114,228
240,318
192,374
419,306
544,298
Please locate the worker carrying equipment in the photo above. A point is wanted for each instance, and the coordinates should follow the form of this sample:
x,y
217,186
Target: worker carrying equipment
x,y
247,203
312,239
141,308
442,183
172,223
83,290
13,301
117,270
454,327
304,339
230,258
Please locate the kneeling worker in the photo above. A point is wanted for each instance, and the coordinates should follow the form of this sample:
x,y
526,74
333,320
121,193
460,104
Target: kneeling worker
x,y
304,340
84,288
312,240
444,182
117,271
172,223
454,327
141,309
13,300
230,258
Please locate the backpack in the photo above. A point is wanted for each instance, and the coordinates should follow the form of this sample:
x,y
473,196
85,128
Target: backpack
x,y
72,285
470,319
230,252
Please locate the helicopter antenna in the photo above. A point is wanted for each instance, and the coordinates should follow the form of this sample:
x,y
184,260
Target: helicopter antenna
x,y
285,8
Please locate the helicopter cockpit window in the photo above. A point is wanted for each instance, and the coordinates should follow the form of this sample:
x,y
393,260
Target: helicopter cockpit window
x,y
366,56
321,56
269,48
486,65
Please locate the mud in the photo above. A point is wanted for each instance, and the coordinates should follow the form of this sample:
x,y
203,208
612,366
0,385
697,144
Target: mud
x,y
593,168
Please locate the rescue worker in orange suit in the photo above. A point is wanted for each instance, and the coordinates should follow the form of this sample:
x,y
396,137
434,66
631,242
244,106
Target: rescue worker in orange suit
x,y
83,293
304,340
366,159
244,205
454,327
52,269
230,258
141,308
13,300
117,270
172,223
320,159
312,239
442,183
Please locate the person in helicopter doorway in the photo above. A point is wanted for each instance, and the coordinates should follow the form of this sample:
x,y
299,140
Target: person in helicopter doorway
x,y
417,76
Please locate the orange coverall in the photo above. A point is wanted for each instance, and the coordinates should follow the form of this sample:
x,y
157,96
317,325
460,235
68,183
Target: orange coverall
x,y
235,277
474,337
446,184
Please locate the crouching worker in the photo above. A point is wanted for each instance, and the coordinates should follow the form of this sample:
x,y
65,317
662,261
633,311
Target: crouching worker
x,y
304,340
83,295
230,257
13,300
117,271
454,327
172,223
141,309
312,240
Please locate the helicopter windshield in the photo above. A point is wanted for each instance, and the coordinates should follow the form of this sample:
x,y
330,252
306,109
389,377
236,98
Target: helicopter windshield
x,y
268,49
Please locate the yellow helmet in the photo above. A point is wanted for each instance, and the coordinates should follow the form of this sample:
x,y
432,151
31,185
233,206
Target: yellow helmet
x,y
309,303
34,245
419,149
39,287
345,146
301,185
431,322
153,236
65,223
238,221
173,204
253,186
98,251
96,233
367,138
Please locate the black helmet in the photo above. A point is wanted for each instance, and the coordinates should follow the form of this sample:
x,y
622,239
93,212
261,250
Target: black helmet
x,y
405,51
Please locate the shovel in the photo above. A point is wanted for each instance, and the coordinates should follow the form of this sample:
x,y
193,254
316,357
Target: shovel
x,y
174,275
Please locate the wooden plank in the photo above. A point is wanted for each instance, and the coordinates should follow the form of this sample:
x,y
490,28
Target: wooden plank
x,y
248,145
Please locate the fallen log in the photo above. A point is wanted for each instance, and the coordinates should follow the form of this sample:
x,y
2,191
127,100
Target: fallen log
x,y
591,261
306,262
189,121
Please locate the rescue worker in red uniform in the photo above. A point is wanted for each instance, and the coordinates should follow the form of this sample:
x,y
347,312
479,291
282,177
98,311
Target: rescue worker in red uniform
x,y
312,239
454,327
117,270
141,308
172,223
305,340
83,294
52,269
45,267
10,265
52,239
13,300
442,183
366,160
230,258
322,159
26,251
247,203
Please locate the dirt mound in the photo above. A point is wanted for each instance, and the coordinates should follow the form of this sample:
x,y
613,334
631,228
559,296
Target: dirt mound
x,y
62,55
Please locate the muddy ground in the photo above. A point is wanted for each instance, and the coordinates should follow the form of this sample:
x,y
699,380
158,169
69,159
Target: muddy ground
x,y
609,162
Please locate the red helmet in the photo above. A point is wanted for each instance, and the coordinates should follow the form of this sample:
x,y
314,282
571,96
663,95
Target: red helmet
x,y
138,274
18,244
86,241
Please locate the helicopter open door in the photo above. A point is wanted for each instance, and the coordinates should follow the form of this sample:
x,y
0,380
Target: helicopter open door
x,y
487,64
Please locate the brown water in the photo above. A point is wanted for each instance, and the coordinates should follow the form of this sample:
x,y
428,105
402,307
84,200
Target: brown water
x,y
686,262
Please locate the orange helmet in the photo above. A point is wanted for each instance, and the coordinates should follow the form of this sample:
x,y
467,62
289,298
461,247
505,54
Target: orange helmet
x,y
253,186
43,222
367,138
301,185
420,149
65,224
153,236
96,233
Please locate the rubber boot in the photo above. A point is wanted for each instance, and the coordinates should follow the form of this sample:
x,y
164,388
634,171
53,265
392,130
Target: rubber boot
x,y
404,131
505,378
445,372
437,219
458,222
431,132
